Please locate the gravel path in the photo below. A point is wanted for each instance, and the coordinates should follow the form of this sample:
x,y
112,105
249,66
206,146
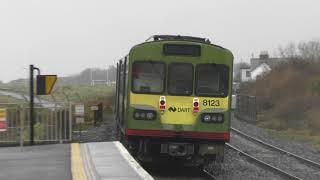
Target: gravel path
x,y
291,146
104,132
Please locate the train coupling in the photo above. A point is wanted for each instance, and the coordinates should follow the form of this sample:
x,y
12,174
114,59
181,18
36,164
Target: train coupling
x,y
177,149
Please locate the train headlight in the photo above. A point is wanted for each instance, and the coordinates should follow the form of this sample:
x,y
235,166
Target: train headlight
x,y
150,115
207,118
212,118
220,118
136,115
140,114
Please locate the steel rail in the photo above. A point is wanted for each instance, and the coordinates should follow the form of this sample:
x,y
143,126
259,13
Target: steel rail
x,y
264,165
253,139
209,174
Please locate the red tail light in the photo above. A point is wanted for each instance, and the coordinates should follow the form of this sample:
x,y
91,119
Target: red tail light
x,y
195,105
162,103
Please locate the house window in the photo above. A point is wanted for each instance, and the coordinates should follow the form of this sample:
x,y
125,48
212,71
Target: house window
x,y
248,74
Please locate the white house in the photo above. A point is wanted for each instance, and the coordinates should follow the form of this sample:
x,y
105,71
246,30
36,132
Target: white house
x,y
245,74
260,70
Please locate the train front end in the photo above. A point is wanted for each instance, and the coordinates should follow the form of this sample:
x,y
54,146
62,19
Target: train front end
x,y
178,100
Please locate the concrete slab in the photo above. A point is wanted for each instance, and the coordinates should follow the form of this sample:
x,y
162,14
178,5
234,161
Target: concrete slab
x,y
95,161
50,162
110,160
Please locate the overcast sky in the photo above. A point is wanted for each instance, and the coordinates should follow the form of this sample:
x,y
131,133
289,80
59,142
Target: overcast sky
x,y
66,36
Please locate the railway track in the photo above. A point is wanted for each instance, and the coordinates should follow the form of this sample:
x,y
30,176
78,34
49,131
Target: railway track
x,y
209,175
171,172
274,168
264,165
300,158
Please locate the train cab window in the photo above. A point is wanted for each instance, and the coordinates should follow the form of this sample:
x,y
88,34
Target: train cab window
x,y
148,77
180,80
212,80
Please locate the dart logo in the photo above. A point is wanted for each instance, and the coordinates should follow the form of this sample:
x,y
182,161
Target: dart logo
x,y
172,109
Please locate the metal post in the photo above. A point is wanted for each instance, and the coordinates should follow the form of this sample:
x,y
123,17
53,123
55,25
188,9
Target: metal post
x,y
21,117
31,100
65,123
31,115
107,77
70,121
60,125
56,116
91,77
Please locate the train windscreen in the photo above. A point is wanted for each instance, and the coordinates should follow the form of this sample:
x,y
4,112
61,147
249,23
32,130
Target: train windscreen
x,y
148,77
180,80
212,80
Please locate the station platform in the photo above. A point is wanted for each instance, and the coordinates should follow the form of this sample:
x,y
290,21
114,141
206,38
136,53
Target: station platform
x,y
86,161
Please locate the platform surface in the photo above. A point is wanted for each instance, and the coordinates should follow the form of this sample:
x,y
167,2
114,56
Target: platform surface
x,y
49,162
110,160
87,161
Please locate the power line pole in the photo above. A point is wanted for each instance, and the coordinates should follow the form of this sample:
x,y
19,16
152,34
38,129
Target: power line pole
x,y
107,77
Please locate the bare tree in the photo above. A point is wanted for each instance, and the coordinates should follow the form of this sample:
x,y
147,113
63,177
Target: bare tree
x,y
309,51
289,51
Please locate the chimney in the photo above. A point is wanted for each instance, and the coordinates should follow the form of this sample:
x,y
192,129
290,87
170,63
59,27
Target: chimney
x,y
264,55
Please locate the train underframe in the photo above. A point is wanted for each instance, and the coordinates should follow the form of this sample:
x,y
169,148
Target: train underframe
x,y
196,152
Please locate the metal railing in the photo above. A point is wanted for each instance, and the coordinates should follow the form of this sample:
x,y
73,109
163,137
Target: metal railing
x,y
246,108
53,124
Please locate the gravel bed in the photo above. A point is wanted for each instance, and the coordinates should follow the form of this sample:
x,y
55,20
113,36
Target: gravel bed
x,y
237,167
298,148
175,171
277,159
104,132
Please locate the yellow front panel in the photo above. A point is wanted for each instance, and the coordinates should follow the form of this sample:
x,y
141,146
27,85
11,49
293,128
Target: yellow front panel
x,y
178,108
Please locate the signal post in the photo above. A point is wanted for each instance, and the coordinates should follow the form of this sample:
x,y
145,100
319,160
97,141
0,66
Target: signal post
x,y
45,85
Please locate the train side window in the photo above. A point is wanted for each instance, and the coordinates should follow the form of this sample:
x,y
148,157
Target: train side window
x,y
148,77
121,78
212,80
180,80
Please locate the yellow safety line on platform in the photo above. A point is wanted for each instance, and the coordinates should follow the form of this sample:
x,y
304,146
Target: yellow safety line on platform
x,y
77,168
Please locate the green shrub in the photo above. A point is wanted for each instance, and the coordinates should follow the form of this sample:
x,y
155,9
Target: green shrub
x,y
290,95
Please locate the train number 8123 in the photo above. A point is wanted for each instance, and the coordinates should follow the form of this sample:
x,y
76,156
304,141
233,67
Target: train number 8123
x,y
210,102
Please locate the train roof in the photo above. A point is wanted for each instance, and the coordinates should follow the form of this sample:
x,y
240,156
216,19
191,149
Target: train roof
x,y
178,37
156,38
